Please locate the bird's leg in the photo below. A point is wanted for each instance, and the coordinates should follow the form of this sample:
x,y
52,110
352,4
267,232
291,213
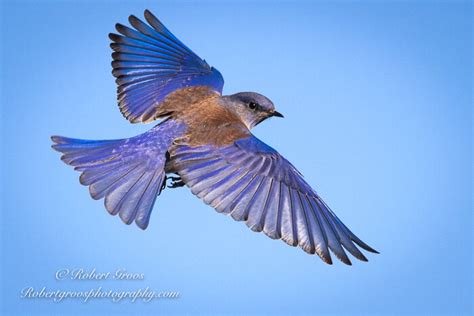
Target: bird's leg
x,y
176,182
163,185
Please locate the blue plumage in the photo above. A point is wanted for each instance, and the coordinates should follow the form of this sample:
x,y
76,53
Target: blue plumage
x,y
252,182
150,63
128,173
205,139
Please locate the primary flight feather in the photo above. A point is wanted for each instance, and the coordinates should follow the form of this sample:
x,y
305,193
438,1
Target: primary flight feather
x,y
204,138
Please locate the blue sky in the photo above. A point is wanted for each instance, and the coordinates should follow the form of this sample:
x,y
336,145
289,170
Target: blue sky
x,y
377,98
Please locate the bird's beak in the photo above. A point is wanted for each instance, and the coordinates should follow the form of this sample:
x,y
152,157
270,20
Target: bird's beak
x,y
277,114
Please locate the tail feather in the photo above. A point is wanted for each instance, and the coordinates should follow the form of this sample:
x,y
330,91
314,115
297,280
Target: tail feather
x,y
128,173
122,188
113,180
148,198
123,199
80,153
95,173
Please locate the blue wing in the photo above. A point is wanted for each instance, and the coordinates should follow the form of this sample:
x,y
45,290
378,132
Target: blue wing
x,y
150,63
252,182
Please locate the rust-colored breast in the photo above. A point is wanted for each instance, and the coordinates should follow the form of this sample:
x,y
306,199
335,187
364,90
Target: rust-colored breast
x,y
182,99
207,120
211,123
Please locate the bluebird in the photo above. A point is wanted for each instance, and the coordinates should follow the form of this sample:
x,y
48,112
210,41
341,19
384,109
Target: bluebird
x,y
202,141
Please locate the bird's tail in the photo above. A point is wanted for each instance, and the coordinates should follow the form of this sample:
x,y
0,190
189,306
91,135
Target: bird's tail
x,y
129,173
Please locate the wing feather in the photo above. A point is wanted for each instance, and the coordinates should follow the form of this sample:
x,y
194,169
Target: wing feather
x,y
288,231
251,182
150,63
238,208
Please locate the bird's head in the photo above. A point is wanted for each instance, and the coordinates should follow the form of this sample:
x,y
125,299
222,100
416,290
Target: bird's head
x,y
252,108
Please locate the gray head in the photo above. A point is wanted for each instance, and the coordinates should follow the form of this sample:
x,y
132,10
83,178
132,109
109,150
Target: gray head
x,y
251,107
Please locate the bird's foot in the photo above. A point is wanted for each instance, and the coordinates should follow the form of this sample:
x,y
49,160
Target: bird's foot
x,y
176,182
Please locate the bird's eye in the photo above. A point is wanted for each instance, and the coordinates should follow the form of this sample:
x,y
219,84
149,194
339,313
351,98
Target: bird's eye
x,y
253,105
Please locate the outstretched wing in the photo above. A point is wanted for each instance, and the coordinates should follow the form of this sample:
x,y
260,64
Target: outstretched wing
x,y
150,63
252,182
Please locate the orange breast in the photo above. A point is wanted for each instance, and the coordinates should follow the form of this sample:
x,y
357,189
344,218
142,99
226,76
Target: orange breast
x,y
208,121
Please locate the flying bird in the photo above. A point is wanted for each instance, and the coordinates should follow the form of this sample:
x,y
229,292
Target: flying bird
x,y
202,141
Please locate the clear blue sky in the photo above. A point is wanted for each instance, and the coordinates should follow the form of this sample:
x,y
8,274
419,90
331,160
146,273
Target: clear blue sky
x,y
378,104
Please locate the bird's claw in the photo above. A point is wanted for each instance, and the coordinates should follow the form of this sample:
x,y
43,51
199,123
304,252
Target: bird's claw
x,y
176,182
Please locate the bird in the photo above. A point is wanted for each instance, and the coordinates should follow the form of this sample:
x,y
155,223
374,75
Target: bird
x,y
202,140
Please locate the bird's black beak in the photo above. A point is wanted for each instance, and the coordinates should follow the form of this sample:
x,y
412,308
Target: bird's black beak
x,y
277,114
